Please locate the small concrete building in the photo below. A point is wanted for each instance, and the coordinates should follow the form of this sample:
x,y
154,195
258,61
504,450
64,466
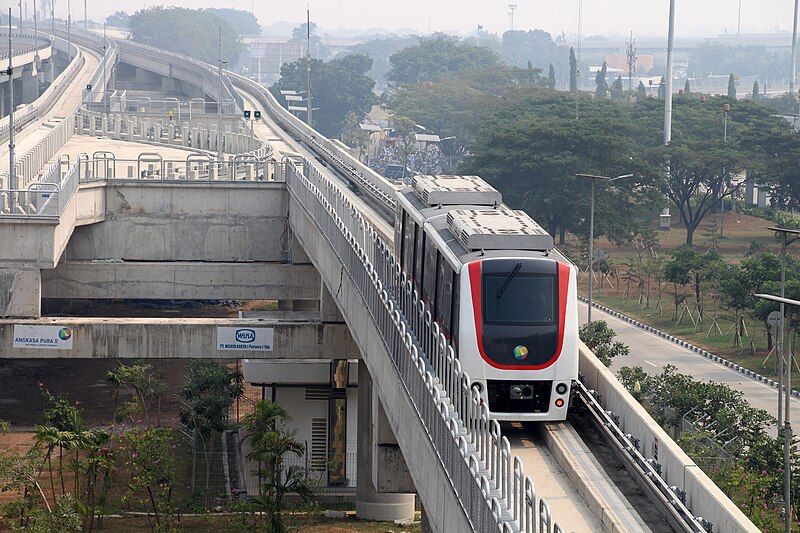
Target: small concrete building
x,y
321,399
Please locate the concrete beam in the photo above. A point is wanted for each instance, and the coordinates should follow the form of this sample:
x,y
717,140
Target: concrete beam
x,y
296,336
181,281
19,292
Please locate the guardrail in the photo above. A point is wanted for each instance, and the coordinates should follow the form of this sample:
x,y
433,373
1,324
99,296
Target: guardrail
x,y
26,38
47,99
363,177
45,199
151,167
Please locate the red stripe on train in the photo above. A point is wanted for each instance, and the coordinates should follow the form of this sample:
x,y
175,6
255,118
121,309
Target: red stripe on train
x,y
477,309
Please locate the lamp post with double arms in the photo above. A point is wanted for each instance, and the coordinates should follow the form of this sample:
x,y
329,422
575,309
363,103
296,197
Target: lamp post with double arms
x,y
787,419
593,179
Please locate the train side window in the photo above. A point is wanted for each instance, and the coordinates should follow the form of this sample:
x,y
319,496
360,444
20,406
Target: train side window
x,y
444,293
419,263
429,275
399,237
408,246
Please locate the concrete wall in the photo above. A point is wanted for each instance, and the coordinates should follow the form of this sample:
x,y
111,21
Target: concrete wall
x,y
703,497
227,222
296,337
189,281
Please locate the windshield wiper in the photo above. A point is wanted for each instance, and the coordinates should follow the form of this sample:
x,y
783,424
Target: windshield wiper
x,y
508,280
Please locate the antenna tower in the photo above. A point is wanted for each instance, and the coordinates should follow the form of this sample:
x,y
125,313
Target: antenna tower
x,y
631,55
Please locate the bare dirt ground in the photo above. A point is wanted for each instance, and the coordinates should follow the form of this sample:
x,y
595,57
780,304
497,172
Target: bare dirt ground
x,y
82,380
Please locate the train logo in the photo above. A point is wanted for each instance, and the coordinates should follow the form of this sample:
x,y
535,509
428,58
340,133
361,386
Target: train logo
x,y
245,335
521,353
65,334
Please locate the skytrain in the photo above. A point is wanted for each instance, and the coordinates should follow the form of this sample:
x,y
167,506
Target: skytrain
x,y
501,293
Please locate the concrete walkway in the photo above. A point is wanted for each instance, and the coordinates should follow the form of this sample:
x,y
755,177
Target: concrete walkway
x,y
653,353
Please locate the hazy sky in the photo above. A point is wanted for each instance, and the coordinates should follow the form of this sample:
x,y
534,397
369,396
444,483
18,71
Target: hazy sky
x,y
644,17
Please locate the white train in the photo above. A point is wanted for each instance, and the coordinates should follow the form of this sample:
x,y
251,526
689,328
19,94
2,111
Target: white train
x,y
504,297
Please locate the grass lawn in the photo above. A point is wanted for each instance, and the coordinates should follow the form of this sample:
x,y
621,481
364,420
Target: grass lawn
x,y
740,232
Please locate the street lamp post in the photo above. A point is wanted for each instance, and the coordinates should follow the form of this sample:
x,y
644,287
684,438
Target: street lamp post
x,y
785,234
726,108
593,179
787,420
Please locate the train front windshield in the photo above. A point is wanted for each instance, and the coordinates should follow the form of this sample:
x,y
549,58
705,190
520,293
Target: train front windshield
x,y
520,312
519,299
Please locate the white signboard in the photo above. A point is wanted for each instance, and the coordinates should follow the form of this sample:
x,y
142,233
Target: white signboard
x,y
245,339
43,337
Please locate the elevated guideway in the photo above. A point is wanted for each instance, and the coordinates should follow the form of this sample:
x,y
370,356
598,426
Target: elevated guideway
x,y
465,470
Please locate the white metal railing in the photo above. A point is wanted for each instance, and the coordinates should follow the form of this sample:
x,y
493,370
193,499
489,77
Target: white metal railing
x,y
42,42
47,99
490,483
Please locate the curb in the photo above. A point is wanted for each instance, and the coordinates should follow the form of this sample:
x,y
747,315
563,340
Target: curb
x,y
689,346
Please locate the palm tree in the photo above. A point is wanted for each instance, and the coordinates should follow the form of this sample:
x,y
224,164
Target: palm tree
x,y
270,443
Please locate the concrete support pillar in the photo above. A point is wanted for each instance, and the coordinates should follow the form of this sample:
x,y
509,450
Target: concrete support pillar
x,y
749,189
30,86
328,310
371,504
104,125
171,133
20,292
762,197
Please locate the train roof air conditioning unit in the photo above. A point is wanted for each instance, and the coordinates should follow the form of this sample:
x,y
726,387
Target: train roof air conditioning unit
x,y
455,190
497,229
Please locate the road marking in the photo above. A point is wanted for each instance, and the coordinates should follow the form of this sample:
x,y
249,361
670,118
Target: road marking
x,y
649,363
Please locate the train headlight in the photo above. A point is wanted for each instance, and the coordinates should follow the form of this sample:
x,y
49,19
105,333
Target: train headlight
x,y
561,388
560,402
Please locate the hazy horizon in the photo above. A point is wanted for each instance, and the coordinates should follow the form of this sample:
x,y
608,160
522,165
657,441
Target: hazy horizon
x,y
600,17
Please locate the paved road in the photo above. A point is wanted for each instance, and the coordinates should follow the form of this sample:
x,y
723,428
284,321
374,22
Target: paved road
x,y
653,353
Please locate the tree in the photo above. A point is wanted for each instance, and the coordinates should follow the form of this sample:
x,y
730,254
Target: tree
x,y
641,91
147,456
780,158
532,148
535,46
617,90
404,129
244,22
340,87
193,32
147,386
573,71
118,19
662,89
300,34
599,338
756,93
697,176
271,443
208,392
551,77
601,90
687,89
449,107
732,87
687,266
380,50
437,57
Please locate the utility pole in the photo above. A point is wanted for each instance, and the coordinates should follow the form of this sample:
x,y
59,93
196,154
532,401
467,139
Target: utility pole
x,y
69,31
794,47
53,15
219,101
36,60
578,62
12,172
511,9
631,55
664,219
726,108
20,15
739,22
308,67
85,18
